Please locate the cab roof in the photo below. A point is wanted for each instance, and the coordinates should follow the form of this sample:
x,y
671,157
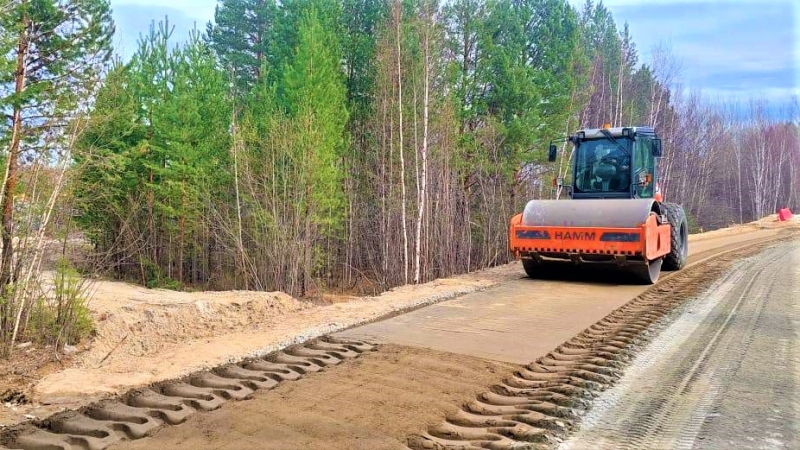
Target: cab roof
x,y
593,133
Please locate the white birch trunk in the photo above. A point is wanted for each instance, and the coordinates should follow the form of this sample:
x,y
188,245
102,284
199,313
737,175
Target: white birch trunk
x,y
398,17
423,181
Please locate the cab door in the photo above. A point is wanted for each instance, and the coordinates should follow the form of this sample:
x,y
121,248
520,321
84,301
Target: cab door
x,y
644,167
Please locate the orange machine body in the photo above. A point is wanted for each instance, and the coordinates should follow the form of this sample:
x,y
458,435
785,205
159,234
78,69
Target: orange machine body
x,y
646,242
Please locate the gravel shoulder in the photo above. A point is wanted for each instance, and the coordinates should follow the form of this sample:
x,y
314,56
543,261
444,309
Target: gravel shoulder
x,y
724,374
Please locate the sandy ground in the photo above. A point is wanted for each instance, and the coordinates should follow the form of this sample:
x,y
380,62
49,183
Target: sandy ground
x,y
490,323
497,323
770,222
144,336
724,374
148,335
371,403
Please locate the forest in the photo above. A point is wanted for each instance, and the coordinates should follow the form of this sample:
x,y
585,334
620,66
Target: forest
x,y
311,145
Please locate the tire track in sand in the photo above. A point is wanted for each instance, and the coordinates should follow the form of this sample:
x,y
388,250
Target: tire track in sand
x,y
141,412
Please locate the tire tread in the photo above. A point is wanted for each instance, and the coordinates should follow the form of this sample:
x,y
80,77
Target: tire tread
x,y
676,216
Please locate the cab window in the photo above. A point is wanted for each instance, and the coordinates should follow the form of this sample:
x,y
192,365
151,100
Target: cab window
x,y
644,167
602,166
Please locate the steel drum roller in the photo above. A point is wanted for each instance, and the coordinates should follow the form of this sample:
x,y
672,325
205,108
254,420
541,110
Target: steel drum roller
x,y
624,213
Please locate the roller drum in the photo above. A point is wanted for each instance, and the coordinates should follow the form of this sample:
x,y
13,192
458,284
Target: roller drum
x,y
601,213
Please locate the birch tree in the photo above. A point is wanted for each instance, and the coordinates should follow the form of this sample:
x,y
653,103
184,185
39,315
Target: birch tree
x,y
427,24
60,46
397,12
51,57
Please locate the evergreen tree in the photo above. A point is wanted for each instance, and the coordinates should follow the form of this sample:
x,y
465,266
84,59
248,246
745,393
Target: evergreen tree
x,y
315,96
601,38
244,36
464,22
527,78
361,20
106,157
438,112
159,145
59,49
194,132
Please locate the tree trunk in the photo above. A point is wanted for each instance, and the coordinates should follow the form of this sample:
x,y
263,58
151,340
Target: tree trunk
x,y
182,238
239,239
10,182
424,175
307,244
403,201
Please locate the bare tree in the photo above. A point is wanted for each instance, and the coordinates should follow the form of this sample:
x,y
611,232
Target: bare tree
x,y
427,24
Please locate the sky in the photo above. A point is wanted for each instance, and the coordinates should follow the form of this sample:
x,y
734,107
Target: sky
x,y
725,49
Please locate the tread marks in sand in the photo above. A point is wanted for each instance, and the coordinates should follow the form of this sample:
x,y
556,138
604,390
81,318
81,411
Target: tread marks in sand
x,y
142,411
537,406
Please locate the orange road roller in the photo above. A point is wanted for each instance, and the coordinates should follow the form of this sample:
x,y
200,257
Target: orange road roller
x,y
615,215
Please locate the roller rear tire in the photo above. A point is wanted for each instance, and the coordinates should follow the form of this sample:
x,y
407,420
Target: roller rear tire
x,y
679,237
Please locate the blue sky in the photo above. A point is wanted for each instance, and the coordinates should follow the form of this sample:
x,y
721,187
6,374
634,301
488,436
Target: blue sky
x,y
727,49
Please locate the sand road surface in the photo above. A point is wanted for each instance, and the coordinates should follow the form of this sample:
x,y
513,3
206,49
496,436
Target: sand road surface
x,y
725,374
523,318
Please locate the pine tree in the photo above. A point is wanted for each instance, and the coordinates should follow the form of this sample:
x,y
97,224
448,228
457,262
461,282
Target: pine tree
x,y
244,36
195,134
60,48
158,144
315,97
361,19
601,38
106,158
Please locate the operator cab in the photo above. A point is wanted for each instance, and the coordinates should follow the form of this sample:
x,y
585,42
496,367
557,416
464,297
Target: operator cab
x,y
614,162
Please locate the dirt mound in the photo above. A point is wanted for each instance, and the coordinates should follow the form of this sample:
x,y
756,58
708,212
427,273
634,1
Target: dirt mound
x,y
143,329
150,335
768,222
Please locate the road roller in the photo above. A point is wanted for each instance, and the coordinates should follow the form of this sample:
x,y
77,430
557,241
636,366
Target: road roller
x,y
613,214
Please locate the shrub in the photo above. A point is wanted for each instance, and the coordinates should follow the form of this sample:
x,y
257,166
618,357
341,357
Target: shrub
x,y
61,314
